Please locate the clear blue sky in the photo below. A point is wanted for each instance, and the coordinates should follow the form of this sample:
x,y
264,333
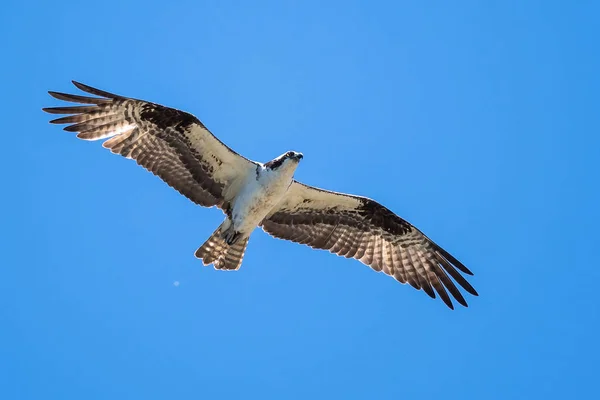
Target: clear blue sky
x,y
476,121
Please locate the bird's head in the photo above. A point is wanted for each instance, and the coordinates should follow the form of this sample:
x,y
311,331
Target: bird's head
x,y
286,160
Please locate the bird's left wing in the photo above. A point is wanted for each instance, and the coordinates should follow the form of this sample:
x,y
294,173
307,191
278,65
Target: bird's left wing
x,y
170,143
360,228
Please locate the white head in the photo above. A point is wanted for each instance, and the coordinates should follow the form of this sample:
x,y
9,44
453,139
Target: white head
x,y
285,161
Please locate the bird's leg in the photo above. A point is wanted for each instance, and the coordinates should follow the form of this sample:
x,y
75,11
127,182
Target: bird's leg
x,y
230,235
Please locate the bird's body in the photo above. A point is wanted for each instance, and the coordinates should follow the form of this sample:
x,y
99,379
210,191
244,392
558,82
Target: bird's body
x,y
253,199
259,193
178,148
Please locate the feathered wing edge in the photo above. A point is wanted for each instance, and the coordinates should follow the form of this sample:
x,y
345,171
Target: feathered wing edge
x,y
167,142
360,228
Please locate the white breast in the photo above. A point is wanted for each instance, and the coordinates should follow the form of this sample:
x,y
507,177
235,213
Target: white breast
x,y
259,194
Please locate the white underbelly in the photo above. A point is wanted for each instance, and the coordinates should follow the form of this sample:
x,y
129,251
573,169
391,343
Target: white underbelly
x,y
254,203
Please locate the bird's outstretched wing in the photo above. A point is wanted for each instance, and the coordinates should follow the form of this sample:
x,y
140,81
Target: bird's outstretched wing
x,y
360,228
170,143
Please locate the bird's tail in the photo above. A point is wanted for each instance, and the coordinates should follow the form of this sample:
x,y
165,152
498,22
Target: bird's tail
x,y
224,256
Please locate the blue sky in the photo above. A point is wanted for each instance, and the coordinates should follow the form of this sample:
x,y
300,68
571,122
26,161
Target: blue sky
x,y
476,121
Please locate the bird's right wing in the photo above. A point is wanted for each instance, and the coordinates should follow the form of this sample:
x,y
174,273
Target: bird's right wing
x,y
170,143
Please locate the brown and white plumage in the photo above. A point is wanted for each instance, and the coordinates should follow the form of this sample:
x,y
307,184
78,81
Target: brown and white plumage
x,y
360,228
178,148
170,143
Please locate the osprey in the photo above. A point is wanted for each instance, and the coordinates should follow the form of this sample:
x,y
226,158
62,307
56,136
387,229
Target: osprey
x,y
178,148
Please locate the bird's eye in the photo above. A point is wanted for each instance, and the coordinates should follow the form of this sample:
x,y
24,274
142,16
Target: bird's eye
x,y
290,154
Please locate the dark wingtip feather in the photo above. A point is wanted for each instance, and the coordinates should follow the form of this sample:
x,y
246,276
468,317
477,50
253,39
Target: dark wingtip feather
x,y
94,91
467,286
427,289
454,274
56,95
57,121
444,296
449,304
73,98
72,128
448,284
461,300
438,285
69,110
454,291
454,261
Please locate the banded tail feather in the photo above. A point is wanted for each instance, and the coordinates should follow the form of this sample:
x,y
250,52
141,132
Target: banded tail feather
x,y
223,256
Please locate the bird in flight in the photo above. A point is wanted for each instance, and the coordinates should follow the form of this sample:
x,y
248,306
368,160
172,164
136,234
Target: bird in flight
x,y
178,148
